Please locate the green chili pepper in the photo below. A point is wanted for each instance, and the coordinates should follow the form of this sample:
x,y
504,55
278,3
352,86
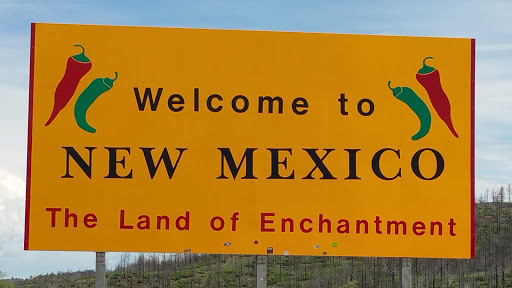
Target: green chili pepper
x,y
409,97
97,87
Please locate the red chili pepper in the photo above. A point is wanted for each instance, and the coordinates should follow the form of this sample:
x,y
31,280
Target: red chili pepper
x,y
77,66
429,78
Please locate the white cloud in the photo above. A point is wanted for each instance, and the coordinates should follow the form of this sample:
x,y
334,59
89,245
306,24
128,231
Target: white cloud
x,y
501,47
493,162
50,7
15,5
15,261
11,207
493,103
11,214
13,129
14,109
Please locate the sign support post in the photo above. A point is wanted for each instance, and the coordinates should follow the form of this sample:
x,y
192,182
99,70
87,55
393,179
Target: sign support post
x,y
405,277
100,270
261,271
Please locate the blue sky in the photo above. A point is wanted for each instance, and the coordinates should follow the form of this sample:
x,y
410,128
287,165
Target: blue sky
x,y
489,22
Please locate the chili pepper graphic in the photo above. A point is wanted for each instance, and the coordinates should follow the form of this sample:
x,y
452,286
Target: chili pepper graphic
x,y
97,87
409,97
429,78
76,67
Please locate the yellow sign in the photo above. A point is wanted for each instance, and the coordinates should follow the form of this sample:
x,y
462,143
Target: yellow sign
x,y
222,141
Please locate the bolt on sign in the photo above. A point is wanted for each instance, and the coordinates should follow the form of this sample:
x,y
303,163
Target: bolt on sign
x,y
226,141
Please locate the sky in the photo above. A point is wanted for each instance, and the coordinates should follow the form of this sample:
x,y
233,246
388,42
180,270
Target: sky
x,y
489,22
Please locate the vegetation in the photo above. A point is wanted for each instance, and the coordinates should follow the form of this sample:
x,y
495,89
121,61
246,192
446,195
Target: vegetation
x,y
492,266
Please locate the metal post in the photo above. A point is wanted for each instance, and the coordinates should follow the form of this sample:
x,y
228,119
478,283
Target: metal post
x,y
100,270
406,279
261,271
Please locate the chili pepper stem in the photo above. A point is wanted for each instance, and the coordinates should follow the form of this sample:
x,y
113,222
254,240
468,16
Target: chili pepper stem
x,y
396,90
78,45
428,57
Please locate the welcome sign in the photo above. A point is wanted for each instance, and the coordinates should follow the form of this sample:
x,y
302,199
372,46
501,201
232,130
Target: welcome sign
x,y
222,141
